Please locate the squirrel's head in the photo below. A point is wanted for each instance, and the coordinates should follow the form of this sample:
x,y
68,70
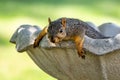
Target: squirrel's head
x,y
56,30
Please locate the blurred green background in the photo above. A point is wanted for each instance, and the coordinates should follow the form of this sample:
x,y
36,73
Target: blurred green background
x,y
13,13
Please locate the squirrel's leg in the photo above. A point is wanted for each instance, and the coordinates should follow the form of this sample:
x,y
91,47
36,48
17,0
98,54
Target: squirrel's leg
x,y
79,40
40,36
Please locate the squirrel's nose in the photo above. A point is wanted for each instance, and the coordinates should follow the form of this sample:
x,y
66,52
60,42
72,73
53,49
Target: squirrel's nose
x,y
52,40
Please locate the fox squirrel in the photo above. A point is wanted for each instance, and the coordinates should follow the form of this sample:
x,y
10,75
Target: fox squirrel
x,y
68,29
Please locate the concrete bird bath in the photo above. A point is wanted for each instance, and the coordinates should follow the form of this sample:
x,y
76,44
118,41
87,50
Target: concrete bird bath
x,y
61,60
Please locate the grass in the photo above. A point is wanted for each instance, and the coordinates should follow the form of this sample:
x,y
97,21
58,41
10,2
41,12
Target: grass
x,y
13,13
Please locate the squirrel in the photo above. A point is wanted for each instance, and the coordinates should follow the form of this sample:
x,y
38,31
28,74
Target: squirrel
x,y
69,29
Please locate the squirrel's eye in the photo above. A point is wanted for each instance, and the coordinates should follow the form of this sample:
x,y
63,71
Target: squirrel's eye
x,y
61,31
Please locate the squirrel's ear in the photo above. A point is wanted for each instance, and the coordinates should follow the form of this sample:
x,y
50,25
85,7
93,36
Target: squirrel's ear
x,y
49,20
64,22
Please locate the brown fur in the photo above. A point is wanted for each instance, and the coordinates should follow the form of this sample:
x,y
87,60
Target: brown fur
x,y
68,29
40,36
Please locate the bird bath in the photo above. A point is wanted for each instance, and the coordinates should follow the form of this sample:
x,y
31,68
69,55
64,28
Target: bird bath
x,y
62,61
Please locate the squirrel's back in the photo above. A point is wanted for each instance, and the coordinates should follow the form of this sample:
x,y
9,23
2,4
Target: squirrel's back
x,y
75,27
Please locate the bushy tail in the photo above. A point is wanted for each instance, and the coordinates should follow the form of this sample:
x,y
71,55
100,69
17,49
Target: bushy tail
x,y
91,32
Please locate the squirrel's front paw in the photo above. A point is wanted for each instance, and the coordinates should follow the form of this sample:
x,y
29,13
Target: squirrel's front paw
x,y
81,54
36,43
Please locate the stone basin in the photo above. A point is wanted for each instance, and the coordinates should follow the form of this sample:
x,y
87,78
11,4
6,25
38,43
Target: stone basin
x,y
62,61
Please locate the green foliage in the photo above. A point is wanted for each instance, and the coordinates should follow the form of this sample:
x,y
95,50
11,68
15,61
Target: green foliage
x,y
45,8
3,41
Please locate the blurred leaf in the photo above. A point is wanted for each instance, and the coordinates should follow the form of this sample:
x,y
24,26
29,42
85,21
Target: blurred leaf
x,y
3,41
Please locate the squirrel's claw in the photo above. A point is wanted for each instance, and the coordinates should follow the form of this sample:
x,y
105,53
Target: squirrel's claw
x,y
81,54
36,43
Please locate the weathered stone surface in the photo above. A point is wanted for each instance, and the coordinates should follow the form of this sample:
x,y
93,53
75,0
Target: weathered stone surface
x,y
61,60
109,29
